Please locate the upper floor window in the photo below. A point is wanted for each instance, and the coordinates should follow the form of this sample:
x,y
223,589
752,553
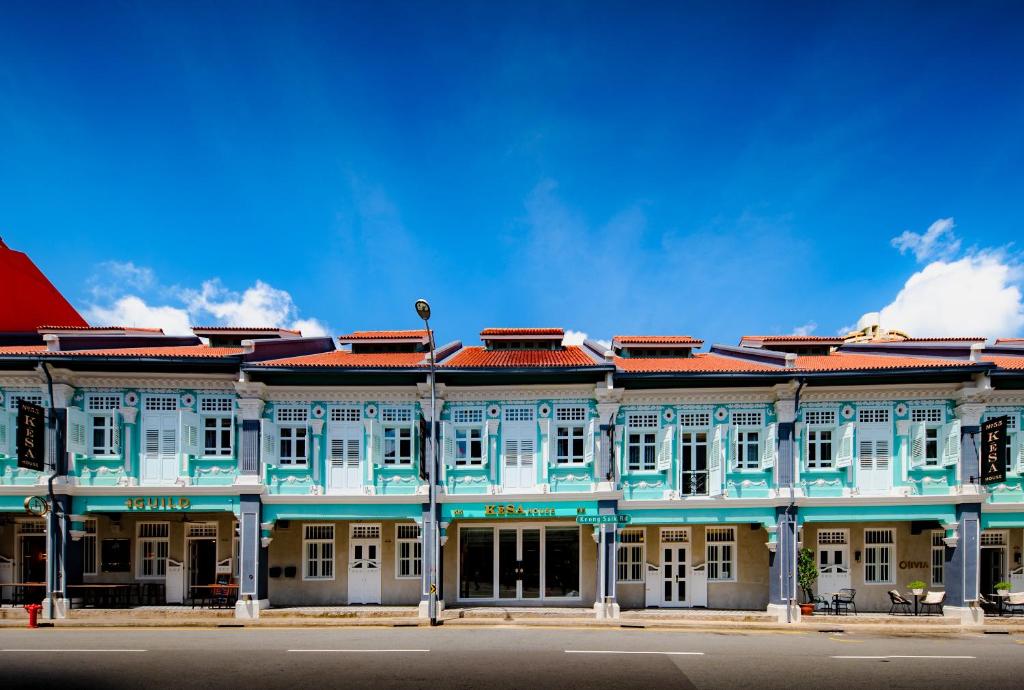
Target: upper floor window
x,y
569,434
820,436
293,435
104,436
397,430
931,418
469,445
218,425
642,441
747,439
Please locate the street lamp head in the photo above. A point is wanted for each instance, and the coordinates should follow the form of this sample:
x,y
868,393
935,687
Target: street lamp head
x,y
423,309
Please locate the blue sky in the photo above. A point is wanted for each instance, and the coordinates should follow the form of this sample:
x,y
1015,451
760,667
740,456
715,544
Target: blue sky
x,y
712,169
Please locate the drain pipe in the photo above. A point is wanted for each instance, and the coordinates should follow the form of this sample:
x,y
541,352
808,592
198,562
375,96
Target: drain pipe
x,y
800,383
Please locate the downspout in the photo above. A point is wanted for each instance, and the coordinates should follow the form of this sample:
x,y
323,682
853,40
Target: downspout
x,y
792,502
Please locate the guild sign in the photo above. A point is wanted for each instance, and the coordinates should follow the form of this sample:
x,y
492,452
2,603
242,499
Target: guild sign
x,y
993,451
158,503
31,436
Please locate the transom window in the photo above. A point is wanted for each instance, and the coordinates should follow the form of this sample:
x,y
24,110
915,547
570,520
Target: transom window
x,y
318,547
346,414
576,413
642,420
160,403
721,552
468,416
820,417
832,536
102,403
519,414
748,418
879,545
34,398
209,403
292,414
927,414
408,551
695,419
879,415
675,535
631,558
396,414
990,538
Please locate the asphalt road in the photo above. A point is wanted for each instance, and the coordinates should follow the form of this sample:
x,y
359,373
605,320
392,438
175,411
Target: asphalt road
x,y
492,658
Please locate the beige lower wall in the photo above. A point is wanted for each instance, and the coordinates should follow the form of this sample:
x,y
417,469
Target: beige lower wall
x,y
286,551
588,566
748,592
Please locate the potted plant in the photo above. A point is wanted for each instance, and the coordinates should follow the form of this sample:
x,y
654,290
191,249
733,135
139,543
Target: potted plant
x,y
1003,588
806,576
916,587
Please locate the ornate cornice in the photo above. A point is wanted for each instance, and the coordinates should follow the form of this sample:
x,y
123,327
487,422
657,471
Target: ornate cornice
x,y
21,381
161,381
682,397
485,393
879,393
329,395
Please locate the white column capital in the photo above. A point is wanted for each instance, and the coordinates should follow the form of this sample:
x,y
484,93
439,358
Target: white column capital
x,y
129,414
970,413
250,408
606,412
785,410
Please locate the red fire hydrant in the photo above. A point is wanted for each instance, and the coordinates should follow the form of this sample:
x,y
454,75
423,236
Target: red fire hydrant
x,y
33,614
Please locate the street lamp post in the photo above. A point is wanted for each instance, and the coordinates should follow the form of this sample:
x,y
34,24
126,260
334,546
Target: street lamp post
x,y
423,311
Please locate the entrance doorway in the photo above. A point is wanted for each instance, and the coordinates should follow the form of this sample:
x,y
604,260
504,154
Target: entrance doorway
x,y
32,558
992,561
833,560
675,550
364,564
529,564
201,547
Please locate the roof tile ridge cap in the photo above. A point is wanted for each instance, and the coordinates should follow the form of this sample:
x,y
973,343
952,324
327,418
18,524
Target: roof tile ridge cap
x,y
598,352
250,347
444,352
907,355
754,355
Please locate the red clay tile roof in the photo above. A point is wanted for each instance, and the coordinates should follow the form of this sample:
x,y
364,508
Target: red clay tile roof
x,y
1002,341
479,357
196,351
246,329
699,363
416,334
793,339
520,331
344,358
1008,362
656,340
943,339
99,329
840,361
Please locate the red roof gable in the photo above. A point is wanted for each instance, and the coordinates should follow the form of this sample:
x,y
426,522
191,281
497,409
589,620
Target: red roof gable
x,y
473,357
197,351
31,299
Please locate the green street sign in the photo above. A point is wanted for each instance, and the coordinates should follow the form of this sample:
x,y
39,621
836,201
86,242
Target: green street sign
x,y
602,519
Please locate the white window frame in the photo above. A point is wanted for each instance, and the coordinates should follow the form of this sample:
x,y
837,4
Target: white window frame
x,y
218,402
644,444
716,557
397,428
90,547
319,559
890,564
632,555
101,410
292,430
570,428
408,550
938,558
141,542
466,435
748,451
814,440
933,417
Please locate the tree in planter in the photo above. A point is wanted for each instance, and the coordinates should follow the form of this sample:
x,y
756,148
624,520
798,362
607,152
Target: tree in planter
x,y
806,573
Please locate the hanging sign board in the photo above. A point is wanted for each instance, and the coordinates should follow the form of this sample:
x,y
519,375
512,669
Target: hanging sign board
x,y
993,451
31,436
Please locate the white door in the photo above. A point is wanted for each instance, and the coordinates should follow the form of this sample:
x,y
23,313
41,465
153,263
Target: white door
x,y
874,458
518,465
159,448
364,564
833,562
674,563
344,471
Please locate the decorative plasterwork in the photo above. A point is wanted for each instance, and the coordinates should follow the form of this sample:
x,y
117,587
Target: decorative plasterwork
x,y
785,410
162,381
1010,398
424,389
21,381
250,408
341,394
608,395
970,413
683,397
518,393
879,393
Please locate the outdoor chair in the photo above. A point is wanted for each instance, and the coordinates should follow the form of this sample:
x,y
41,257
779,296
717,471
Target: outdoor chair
x,y
1014,603
899,604
843,600
933,602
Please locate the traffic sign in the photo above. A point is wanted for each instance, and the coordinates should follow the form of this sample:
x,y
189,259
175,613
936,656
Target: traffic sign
x,y
602,519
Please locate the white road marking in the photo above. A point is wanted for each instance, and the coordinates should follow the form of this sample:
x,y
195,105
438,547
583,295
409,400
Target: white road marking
x,y
612,651
906,656
55,651
359,651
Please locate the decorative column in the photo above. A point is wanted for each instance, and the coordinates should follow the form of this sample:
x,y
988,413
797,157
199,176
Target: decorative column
x,y
58,522
783,596
251,411
606,413
430,529
128,415
254,557
963,538
607,605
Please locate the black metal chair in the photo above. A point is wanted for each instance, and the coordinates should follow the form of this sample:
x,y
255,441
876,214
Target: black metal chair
x,y
899,603
843,601
932,602
1014,603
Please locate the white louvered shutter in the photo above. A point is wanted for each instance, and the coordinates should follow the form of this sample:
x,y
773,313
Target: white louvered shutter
x,y
769,447
335,446
734,447
844,458
549,439
189,433
269,438
376,443
918,444
1019,438
526,447
76,431
715,462
485,444
664,449
448,444
6,433
589,441
951,443
115,432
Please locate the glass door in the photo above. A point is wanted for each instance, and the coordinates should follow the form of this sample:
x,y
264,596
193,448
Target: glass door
x,y
519,555
673,566
508,564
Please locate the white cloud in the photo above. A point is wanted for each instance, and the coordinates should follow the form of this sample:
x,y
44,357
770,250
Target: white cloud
x,y
938,241
133,311
806,329
212,304
572,337
978,294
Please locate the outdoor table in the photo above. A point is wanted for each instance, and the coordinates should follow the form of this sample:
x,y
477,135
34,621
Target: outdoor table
x,y
206,592
107,592
917,599
19,590
1000,598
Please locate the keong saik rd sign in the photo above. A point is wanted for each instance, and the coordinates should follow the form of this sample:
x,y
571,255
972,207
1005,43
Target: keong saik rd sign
x,y
158,503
